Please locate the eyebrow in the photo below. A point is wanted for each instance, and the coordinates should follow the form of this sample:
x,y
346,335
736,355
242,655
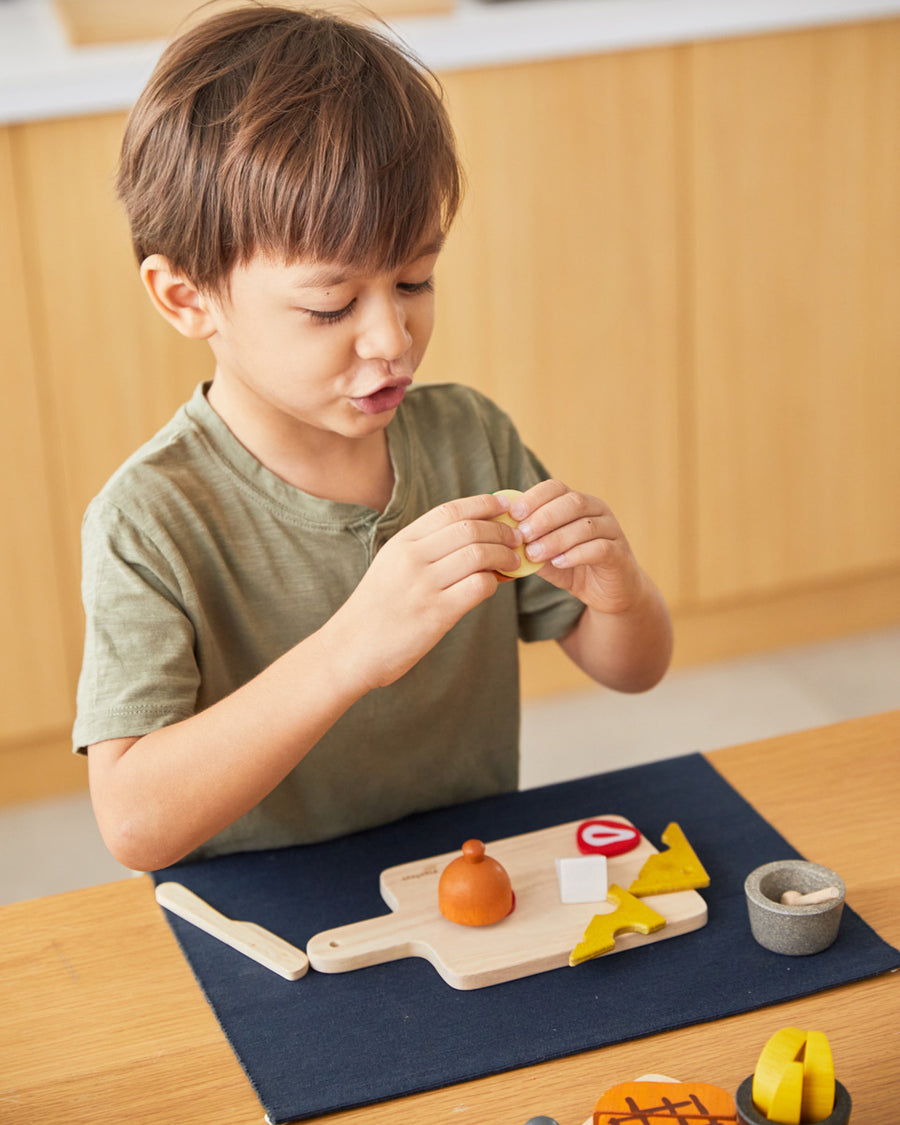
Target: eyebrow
x,y
322,278
328,275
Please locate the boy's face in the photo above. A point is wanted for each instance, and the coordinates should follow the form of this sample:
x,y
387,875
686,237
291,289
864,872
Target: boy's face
x,y
322,346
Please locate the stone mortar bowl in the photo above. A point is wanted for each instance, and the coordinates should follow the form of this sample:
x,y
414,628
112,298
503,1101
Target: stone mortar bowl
x,y
794,930
748,1114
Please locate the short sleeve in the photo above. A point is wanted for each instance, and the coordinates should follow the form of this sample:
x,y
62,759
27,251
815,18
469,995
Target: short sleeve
x,y
139,670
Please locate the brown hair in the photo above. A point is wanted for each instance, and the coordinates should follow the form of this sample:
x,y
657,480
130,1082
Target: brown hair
x,y
291,134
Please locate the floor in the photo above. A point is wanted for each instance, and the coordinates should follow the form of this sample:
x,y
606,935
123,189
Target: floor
x,y
53,845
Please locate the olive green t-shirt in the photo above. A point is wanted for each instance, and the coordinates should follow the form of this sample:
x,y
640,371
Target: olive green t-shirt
x,y
201,567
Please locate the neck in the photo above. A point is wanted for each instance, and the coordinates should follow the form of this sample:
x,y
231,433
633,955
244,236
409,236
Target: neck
x,y
353,470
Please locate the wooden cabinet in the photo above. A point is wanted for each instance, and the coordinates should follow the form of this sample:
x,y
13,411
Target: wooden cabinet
x,y
35,699
795,309
93,371
676,268
112,371
559,291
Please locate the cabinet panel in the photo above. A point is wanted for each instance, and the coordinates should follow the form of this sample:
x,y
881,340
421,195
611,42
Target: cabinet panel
x,y
114,370
557,293
796,308
34,680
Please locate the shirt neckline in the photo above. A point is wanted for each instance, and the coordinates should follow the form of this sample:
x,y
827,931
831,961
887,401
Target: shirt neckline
x,y
288,498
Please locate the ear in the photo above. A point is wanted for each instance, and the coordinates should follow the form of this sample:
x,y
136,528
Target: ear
x,y
176,299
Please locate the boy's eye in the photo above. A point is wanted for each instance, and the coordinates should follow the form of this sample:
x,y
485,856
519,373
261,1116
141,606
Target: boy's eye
x,y
330,316
335,316
413,287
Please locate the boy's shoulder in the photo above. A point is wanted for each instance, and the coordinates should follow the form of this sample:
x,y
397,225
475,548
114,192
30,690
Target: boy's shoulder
x,y
172,453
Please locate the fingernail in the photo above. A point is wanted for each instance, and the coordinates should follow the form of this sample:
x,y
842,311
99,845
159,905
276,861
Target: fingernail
x,y
534,551
518,510
560,560
524,526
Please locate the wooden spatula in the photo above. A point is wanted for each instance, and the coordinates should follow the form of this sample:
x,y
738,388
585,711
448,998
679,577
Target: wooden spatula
x,y
246,937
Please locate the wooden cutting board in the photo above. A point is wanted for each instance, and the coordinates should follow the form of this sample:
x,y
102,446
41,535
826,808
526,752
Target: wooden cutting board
x,y
539,934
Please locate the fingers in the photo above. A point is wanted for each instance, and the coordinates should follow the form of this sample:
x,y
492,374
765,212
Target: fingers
x,y
464,537
564,527
423,580
482,507
471,546
535,497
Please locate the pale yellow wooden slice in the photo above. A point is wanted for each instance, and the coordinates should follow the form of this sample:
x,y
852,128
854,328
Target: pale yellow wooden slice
x,y
526,566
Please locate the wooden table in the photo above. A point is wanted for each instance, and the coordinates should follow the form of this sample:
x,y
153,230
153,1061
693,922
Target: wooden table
x,y
101,1020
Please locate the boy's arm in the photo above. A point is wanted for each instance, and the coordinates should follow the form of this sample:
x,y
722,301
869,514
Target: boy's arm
x,y
624,637
159,796
628,651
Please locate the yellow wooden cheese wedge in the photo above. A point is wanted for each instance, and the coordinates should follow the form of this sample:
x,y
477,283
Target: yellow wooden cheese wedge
x,y
676,869
630,915
526,566
785,1046
818,1078
787,1097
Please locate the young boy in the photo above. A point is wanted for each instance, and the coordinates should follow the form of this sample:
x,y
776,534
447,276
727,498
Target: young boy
x,y
295,623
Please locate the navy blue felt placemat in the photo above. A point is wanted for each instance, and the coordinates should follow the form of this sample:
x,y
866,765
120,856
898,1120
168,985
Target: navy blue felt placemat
x,y
330,1042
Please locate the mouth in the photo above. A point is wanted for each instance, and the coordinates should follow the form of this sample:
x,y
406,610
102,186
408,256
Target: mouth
x,y
385,398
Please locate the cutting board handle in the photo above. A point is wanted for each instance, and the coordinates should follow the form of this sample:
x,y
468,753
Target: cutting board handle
x,y
389,937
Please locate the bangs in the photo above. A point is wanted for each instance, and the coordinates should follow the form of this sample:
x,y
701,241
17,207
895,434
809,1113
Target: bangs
x,y
362,178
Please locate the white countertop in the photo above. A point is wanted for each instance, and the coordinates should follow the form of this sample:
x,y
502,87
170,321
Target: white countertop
x,y
43,76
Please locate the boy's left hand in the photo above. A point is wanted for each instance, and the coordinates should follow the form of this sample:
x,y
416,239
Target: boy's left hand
x,y
582,544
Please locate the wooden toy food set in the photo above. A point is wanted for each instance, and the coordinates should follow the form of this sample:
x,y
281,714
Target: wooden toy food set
x,y
651,897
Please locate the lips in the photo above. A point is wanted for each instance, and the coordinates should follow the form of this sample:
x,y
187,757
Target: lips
x,y
385,398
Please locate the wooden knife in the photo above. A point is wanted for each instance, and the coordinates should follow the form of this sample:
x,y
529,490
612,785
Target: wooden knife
x,y
246,937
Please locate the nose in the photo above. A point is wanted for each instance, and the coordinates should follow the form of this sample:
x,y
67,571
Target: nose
x,y
384,334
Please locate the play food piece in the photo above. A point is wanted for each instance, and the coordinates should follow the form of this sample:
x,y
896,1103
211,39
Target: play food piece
x,y
676,869
818,1078
582,879
630,915
788,1095
526,566
653,1103
794,1079
474,889
784,1047
606,837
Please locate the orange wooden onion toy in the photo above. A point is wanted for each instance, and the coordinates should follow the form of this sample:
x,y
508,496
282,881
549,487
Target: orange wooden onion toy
x,y
474,890
653,1103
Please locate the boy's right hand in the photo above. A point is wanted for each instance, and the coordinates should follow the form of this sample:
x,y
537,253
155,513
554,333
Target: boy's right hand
x,y
419,585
